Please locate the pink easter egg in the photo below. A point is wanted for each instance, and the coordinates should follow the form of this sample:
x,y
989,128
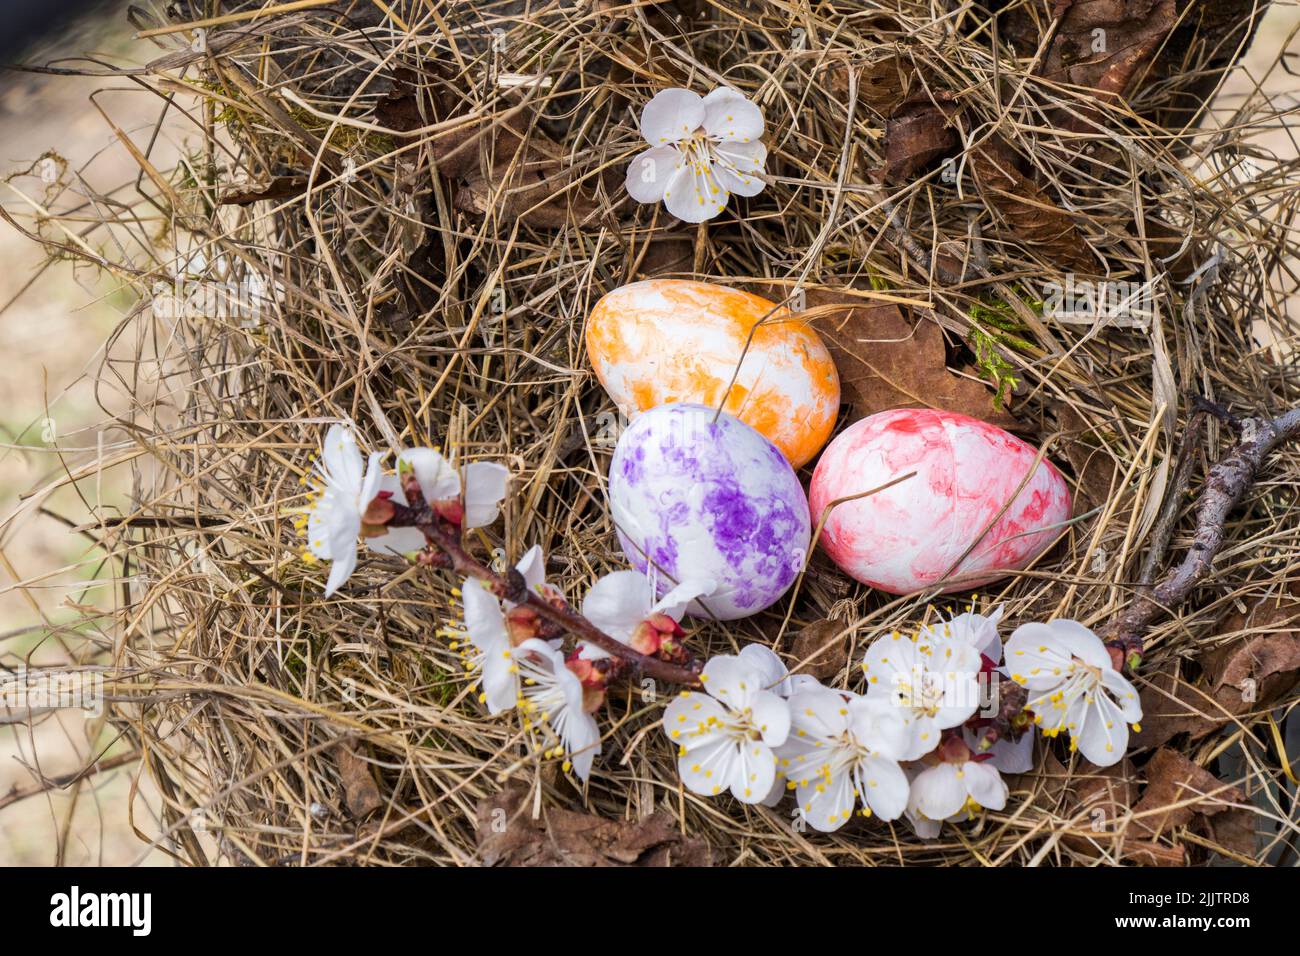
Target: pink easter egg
x,y
909,536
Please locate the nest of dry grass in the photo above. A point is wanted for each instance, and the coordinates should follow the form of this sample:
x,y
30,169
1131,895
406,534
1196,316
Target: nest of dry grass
x,y
427,233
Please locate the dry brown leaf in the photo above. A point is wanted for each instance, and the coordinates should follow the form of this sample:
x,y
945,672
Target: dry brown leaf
x,y
882,85
669,256
885,362
1254,672
360,793
917,134
509,836
1093,467
1103,798
1178,790
821,648
281,187
1171,706
1234,831
534,192
1107,62
1033,220
1249,674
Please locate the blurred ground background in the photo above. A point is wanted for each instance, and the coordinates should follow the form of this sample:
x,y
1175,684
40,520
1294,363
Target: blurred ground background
x,y
54,320
53,326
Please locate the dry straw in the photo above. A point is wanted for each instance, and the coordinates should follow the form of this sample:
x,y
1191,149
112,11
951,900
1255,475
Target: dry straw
x,y
369,285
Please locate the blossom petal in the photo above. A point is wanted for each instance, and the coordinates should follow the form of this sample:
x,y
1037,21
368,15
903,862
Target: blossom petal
x,y
764,660
533,567
739,167
880,726
938,792
1080,642
729,116
672,114
693,720
616,604
674,603
770,715
485,622
826,802
1006,754
485,486
1101,733
883,786
371,483
1034,658
694,193
821,714
342,458
340,571
650,172
438,481
985,784
754,772
582,740
500,679
891,666
1130,705
709,769
398,541
732,681
924,737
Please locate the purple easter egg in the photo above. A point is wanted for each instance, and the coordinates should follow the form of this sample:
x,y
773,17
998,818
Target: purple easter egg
x,y
701,496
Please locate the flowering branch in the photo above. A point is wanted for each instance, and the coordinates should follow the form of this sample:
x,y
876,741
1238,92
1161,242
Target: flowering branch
x,y
444,536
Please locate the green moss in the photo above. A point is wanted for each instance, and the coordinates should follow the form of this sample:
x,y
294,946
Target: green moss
x,y
995,327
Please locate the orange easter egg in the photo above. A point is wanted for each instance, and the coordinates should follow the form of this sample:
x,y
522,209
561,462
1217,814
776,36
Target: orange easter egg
x,y
675,340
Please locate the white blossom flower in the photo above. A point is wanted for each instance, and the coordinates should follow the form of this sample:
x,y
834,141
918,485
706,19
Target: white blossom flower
x,y
343,485
970,627
701,151
933,678
1073,686
484,488
623,605
551,697
491,650
952,788
726,735
843,750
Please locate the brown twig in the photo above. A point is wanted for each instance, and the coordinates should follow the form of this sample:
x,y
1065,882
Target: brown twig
x,y
1225,486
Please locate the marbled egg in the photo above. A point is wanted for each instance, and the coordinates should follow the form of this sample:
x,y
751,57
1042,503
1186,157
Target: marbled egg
x,y
674,340
906,538
702,496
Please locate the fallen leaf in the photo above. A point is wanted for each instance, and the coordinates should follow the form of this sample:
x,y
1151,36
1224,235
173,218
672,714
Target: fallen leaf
x,y
1177,790
1250,673
1034,221
1101,45
360,794
509,836
1171,706
669,256
917,134
883,85
821,648
886,362
1261,668
1234,831
1093,467
534,191
1103,798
